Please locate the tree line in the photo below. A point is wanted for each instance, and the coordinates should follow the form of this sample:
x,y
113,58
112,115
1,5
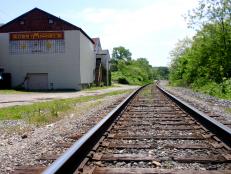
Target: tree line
x,y
204,62
126,70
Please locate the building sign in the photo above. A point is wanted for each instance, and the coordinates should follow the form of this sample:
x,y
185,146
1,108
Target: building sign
x,y
36,42
36,36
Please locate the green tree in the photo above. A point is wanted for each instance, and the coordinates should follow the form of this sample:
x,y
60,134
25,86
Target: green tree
x,y
128,71
210,12
160,73
137,72
204,64
121,53
179,61
144,63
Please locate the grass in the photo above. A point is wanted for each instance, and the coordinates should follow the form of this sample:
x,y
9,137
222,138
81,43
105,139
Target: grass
x,y
147,92
12,91
47,112
99,87
228,110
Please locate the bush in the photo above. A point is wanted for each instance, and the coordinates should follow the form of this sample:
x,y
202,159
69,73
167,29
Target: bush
x,y
135,72
123,80
209,87
226,87
179,82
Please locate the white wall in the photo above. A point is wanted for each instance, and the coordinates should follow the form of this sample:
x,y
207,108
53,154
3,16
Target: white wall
x,y
105,59
87,60
62,68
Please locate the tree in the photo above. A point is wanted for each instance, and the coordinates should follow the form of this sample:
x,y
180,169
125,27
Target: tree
x,y
179,60
214,18
213,12
204,63
180,48
160,73
144,63
137,72
128,71
210,12
121,53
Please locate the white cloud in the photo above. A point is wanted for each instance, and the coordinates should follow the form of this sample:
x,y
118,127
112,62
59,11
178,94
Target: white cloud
x,y
145,31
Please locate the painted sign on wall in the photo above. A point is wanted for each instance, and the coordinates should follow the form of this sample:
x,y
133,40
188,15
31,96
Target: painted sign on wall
x,y
36,36
36,42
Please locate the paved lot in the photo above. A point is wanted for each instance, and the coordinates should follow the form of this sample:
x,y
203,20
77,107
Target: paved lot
x,y
22,99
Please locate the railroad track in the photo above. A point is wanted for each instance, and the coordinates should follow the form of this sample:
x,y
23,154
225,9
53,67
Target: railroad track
x,y
150,134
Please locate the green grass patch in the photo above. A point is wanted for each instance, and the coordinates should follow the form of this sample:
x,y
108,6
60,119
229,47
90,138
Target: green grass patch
x,y
47,112
100,87
228,110
13,91
147,92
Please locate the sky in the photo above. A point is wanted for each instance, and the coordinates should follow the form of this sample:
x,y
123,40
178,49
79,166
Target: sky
x,y
148,28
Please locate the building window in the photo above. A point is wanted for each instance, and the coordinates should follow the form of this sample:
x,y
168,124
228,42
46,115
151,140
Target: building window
x,y
22,22
50,21
37,46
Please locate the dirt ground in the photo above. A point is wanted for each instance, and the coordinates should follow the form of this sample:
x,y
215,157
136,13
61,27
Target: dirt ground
x,y
22,99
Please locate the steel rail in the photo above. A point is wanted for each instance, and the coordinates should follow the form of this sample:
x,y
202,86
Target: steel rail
x,y
221,131
72,158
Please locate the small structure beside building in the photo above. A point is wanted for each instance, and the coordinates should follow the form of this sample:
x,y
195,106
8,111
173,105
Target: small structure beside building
x,y
42,51
102,71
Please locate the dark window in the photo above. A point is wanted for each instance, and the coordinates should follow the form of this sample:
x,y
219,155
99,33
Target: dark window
x,y
50,21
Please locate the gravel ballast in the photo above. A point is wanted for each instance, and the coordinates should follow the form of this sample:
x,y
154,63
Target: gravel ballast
x,y
208,104
26,145
25,148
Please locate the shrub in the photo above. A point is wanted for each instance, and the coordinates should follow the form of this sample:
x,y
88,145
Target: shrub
x,y
123,80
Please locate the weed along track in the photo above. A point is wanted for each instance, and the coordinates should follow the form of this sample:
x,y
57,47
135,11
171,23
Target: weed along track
x,y
149,134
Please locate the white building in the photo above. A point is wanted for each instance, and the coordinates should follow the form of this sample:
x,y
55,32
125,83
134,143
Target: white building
x,y
42,51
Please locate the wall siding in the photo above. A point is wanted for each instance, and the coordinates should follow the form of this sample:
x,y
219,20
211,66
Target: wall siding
x,y
62,68
87,60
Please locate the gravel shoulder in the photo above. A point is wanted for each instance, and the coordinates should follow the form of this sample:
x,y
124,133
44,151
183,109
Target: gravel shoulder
x,y
25,144
205,103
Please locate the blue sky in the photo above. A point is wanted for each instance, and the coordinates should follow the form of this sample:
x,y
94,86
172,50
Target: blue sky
x,y
148,28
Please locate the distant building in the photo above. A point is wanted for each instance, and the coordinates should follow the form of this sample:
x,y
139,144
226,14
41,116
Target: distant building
x,y
102,72
42,51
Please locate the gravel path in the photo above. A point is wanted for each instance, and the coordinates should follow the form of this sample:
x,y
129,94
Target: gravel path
x,y
203,102
18,149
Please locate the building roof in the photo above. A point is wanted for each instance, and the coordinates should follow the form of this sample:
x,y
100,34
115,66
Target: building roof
x,y
95,41
39,20
97,44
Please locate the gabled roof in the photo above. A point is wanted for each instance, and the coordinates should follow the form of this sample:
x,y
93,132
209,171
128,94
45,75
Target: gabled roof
x,y
38,20
96,43
96,39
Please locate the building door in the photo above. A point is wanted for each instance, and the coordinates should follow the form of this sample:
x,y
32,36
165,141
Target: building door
x,y
37,81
